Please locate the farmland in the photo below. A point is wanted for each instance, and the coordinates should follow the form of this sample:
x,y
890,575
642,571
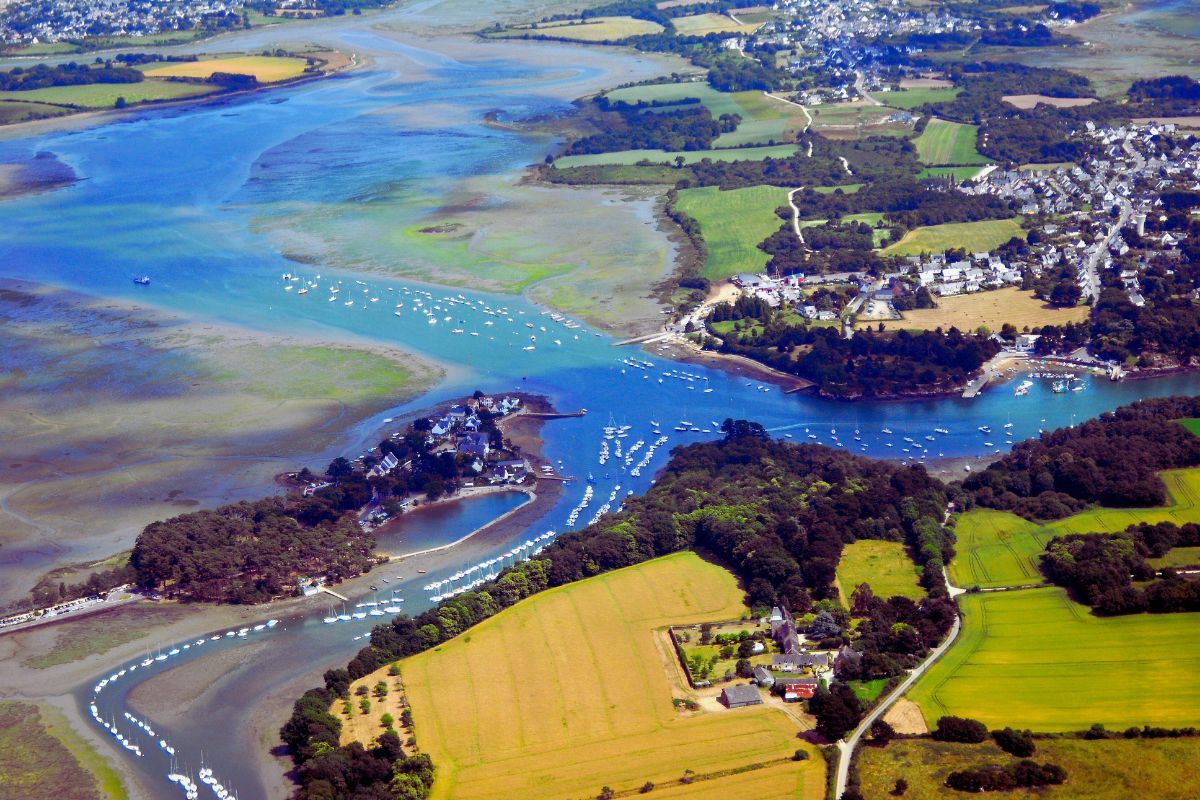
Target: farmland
x,y
733,223
704,24
993,308
855,119
885,566
267,69
996,548
17,111
911,98
959,174
569,691
764,119
1032,658
974,237
1158,768
629,157
945,142
104,95
595,29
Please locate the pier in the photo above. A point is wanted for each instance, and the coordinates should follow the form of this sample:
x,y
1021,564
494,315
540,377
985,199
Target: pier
x,y
327,590
650,337
976,386
554,414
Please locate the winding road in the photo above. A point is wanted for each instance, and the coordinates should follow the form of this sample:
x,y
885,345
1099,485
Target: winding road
x,y
846,746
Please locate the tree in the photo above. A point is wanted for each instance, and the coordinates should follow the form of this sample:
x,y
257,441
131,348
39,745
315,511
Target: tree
x,y
746,648
837,710
882,733
606,794
744,668
900,788
1017,743
120,103
647,787
960,729
387,720
824,626
340,467
365,705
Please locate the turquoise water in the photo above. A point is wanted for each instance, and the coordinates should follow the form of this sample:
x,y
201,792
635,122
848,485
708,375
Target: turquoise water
x,y
175,195
440,525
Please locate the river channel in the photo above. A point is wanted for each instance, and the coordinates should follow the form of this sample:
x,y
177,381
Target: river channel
x,y
180,194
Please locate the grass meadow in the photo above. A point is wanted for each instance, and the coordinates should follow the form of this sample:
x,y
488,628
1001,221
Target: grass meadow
x,y
12,111
997,548
1032,658
267,69
959,174
630,157
1096,770
733,223
975,237
764,119
104,95
911,98
992,308
595,29
704,24
885,566
945,142
570,691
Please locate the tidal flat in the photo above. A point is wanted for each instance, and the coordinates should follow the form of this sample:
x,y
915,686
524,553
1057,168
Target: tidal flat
x,y
112,416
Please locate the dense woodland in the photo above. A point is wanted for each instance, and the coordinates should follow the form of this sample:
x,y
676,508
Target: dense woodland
x,y
629,128
871,364
779,514
1099,570
42,76
1110,461
251,552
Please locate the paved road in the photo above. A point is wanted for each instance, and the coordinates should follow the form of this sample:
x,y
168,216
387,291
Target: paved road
x,y
846,746
860,86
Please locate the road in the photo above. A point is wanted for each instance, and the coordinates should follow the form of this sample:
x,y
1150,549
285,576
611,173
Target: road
x,y
1089,275
860,86
846,746
796,214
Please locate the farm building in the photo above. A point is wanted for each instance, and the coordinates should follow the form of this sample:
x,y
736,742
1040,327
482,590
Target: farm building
x,y
796,689
740,696
763,677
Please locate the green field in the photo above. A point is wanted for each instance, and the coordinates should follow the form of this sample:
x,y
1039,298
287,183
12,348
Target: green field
x,y
945,142
1032,658
975,237
704,24
959,174
996,548
629,157
885,566
1192,424
911,98
104,95
594,29
570,691
1116,769
764,119
732,224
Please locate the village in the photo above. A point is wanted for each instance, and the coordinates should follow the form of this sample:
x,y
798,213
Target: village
x,y
1074,216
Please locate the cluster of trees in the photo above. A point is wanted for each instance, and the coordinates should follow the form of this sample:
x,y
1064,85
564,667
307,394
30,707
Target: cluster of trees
x,y
1112,461
250,552
1076,11
778,513
870,364
689,128
1099,570
42,76
1170,95
1023,774
904,201
839,236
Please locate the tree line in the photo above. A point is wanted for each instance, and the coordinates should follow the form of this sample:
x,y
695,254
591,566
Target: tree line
x,y
43,76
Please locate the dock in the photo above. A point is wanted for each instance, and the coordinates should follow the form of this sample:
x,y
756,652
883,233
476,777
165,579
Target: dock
x,y
327,590
554,414
976,386
650,337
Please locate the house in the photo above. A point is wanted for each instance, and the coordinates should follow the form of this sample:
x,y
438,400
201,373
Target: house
x,y
785,663
740,696
796,689
847,660
763,677
475,444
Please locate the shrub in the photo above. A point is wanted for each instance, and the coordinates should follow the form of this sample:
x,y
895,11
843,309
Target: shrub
x,y
1017,743
960,729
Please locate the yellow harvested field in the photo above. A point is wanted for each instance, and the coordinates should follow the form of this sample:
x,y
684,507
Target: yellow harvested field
x,y
267,69
703,24
1026,101
993,309
365,728
570,691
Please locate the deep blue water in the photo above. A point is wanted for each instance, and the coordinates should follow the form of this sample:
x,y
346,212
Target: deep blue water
x,y
174,195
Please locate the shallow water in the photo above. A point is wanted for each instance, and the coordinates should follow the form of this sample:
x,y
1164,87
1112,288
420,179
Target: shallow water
x,y
443,524
179,195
